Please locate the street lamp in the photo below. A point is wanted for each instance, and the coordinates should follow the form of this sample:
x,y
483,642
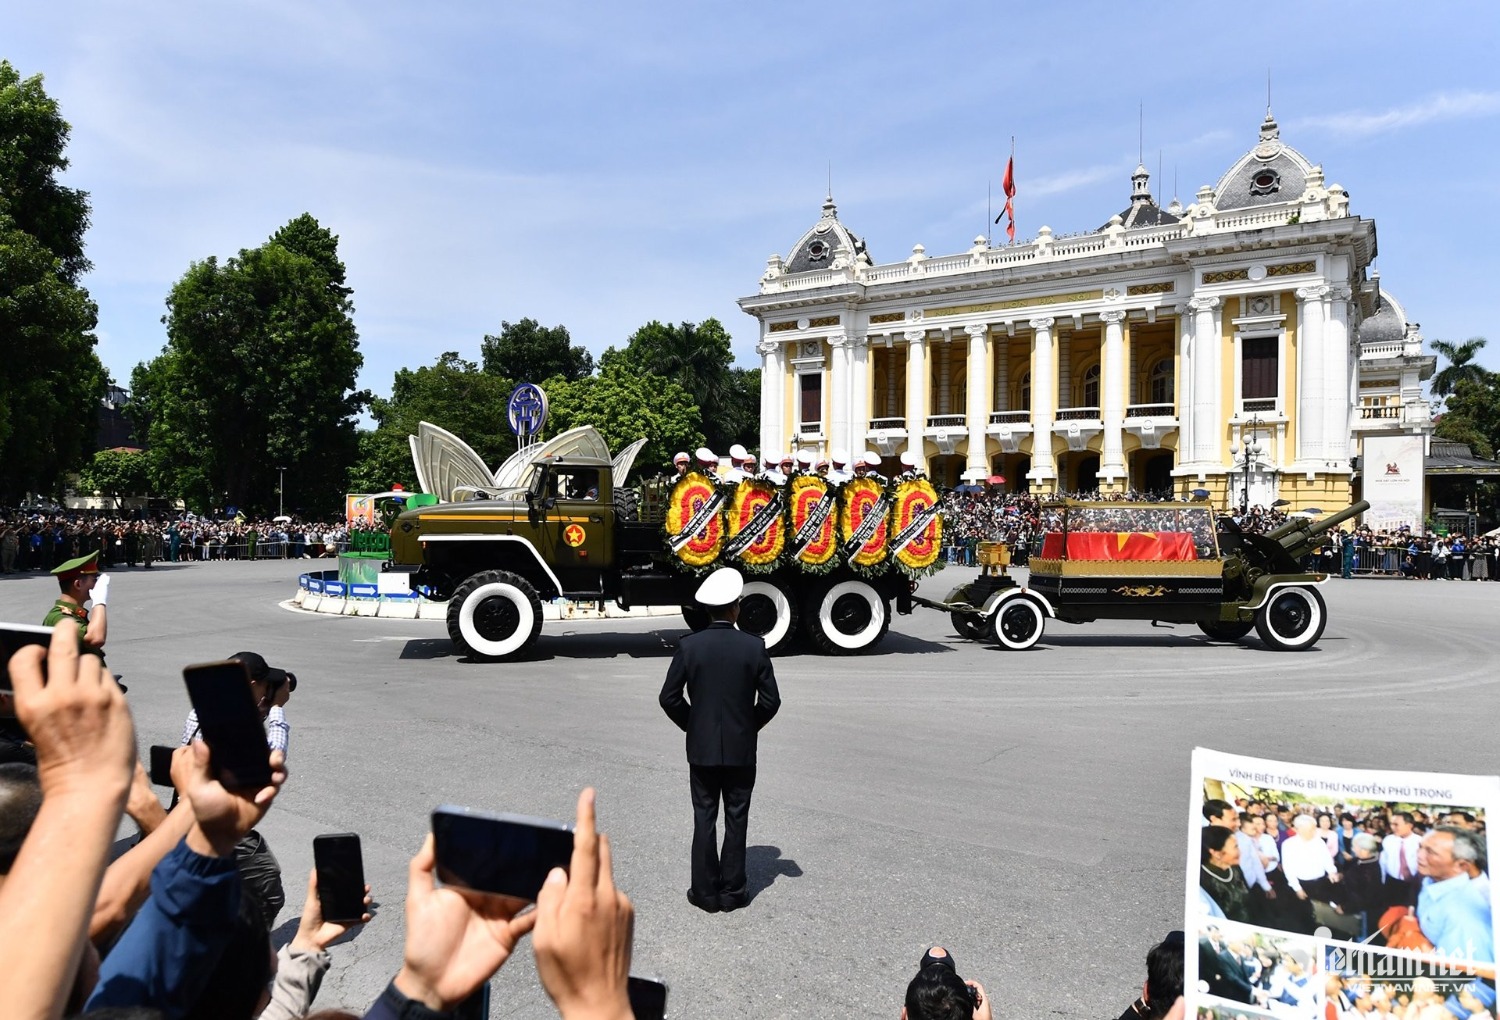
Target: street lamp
x,y
281,493
1252,450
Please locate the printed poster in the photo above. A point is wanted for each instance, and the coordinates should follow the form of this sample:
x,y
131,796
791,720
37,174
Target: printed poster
x,y
1337,894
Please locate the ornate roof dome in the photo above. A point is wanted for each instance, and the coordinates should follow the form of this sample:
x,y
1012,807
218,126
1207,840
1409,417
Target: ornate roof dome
x,y
825,243
1143,210
1388,322
1269,174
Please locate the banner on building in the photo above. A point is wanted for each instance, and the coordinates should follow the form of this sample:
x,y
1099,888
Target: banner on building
x,y
1392,467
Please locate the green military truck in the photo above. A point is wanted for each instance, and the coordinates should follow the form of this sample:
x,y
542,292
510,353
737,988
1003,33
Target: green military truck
x,y
570,533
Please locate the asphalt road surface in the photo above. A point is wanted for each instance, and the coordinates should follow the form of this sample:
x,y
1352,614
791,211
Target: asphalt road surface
x,y
1027,810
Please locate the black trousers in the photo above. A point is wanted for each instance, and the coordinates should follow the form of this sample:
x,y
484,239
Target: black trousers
x,y
720,877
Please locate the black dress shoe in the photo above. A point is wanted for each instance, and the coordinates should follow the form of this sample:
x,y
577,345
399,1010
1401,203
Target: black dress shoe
x,y
728,903
707,906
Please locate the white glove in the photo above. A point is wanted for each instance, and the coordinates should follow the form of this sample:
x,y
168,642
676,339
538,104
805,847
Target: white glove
x,y
100,594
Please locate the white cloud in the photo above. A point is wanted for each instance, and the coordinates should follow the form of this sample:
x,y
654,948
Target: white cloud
x,y
1441,107
1069,180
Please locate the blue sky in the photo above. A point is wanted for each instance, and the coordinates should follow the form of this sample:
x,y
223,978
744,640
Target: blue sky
x,y
600,165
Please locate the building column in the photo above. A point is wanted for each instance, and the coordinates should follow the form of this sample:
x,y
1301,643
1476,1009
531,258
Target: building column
x,y
859,392
1207,419
1065,370
944,403
891,393
773,410
1112,384
1337,425
1002,373
1182,385
838,403
1312,310
1043,392
916,394
977,469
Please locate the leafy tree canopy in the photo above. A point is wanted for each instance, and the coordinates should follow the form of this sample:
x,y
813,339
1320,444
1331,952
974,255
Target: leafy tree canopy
x,y
625,406
1473,414
258,374
51,378
528,352
117,473
699,358
453,394
1461,365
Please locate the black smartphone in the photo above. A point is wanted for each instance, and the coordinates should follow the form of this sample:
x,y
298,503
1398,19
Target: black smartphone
x,y
229,723
161,764
476,1006
506,854
648,998
15,636
341,876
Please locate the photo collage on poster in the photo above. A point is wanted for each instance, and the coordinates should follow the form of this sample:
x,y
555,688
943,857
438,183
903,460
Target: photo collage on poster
x,y
1338,894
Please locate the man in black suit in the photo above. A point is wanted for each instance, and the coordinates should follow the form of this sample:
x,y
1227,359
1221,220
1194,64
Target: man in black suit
x,y
731,694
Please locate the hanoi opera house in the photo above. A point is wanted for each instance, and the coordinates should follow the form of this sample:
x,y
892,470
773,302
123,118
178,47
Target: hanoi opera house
x,y
1238,341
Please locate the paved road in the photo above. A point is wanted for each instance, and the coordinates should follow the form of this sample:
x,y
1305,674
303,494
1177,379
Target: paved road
x,y
1028,810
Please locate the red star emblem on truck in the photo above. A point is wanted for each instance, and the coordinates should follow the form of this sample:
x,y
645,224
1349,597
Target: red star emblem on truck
x,y
573,535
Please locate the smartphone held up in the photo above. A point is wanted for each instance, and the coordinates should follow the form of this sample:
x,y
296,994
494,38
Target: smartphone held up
x,y
230,723
341,877
498,853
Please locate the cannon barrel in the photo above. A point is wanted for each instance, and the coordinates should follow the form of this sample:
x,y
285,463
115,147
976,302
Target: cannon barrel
x,y
1298,536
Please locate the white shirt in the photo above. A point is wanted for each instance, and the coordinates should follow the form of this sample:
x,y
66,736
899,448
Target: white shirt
x,y
1391,850
1305,859
1269,849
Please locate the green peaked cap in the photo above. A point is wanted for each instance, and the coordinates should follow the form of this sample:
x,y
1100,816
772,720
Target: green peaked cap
x,y
82,565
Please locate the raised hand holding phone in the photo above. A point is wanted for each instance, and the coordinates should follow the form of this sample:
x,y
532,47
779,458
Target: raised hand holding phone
x,y
230,722
315,933
584,929
339,877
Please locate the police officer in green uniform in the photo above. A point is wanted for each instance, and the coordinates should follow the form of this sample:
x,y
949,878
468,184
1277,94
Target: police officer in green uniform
x,y
81,582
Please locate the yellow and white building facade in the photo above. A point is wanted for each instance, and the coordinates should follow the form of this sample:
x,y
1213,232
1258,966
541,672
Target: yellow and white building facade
x,y
1216,346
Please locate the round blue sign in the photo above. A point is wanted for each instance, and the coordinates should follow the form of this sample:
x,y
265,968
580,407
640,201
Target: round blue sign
x,y
526,409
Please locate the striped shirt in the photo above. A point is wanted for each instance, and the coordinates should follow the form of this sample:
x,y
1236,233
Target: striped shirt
x,y
278,730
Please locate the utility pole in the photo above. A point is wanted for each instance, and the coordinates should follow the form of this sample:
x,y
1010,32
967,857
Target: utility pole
x,y
281,493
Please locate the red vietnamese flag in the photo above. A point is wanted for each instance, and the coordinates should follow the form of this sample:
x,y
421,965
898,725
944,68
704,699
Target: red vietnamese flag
x,y
1008,186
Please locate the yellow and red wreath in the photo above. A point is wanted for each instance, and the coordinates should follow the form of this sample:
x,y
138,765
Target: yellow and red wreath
x,y
807,492
915,498
691,493
862,497
750,496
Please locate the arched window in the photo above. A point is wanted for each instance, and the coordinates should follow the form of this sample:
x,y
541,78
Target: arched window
x,y
1162,382
1091,386
1025,391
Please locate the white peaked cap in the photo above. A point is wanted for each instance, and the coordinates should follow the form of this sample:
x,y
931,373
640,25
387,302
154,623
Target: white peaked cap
x,y
805,458
908,458
738,452
680,456
871,458
706,456
839,456
721,588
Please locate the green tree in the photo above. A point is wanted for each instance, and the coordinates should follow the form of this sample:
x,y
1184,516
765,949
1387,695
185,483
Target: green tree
x,y
453,394
528,352
625,406
1472,414
1461,364
699,358
51,378
117,473
258,374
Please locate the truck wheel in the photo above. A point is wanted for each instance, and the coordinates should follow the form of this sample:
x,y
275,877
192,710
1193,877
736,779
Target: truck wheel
x,y
770,613
494,615
847,617
695,618
627,505
968,625
1292,619
1018,623
1217,630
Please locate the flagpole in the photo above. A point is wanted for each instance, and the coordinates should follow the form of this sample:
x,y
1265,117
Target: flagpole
x,y
1009,199
989,237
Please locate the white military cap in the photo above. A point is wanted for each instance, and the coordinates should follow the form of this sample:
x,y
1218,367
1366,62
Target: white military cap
x,y
805,458
738,453
840,456
788,458
680,457
908,458
721,588
706,456
872,458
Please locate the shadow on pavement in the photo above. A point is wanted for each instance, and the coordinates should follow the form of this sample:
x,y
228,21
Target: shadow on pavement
x,y
764,865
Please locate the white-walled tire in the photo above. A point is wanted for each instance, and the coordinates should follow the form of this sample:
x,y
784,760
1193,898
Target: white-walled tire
x,y
847,617
1018,623
494,615
769,611
1292,619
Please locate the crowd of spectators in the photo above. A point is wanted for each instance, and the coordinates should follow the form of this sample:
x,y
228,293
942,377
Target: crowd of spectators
x,y
40,541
